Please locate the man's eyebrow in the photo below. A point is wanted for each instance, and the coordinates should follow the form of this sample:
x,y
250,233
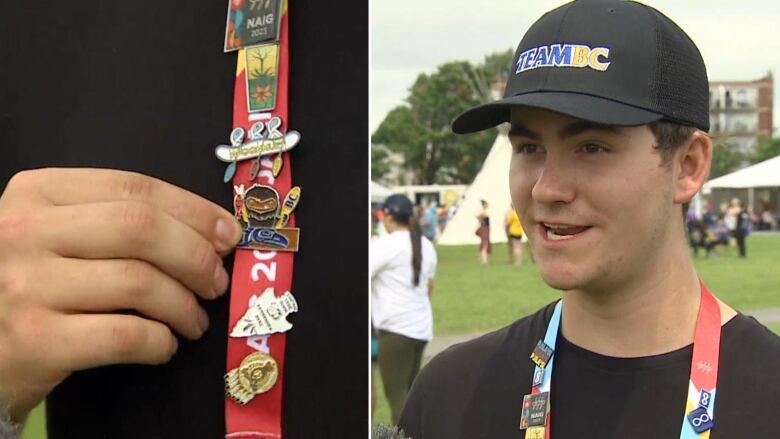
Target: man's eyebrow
x,y
582,126
520,130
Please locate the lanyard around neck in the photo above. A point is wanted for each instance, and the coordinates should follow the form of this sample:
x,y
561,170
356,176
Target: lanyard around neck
x,y
698,419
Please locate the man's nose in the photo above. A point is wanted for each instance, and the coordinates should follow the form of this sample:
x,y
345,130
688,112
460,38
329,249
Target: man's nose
x,y
555,183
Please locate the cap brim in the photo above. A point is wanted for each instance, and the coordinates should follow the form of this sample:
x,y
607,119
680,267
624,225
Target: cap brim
x,y
581,106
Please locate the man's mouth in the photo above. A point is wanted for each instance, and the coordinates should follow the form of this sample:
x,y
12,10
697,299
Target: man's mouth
x,y
562,232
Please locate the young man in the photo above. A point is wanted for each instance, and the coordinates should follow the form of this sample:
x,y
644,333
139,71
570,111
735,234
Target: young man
x,y
608,105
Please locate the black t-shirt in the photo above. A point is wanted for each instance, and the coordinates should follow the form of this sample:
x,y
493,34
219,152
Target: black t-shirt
x,y
145,86
475,389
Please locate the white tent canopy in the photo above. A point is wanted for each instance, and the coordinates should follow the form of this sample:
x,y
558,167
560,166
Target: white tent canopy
x,y
379,193
763,174
492,185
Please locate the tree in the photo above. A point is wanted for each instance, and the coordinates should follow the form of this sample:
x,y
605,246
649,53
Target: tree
x,y
725,159
497,65
420,131
380,161
766,149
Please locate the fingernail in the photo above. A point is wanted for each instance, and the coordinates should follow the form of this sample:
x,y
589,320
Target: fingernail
x,y
228,231
203,320
220,280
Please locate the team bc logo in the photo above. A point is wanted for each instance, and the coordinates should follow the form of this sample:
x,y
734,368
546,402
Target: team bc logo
x,y
563,55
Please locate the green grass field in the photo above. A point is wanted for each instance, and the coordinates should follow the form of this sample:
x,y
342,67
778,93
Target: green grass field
x,y
470,297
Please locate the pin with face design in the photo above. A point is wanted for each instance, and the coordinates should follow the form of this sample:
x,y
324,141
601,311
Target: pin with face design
x,y
264,218
262,205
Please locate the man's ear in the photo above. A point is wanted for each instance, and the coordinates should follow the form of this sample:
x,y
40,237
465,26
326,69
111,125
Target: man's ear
x,y
692,166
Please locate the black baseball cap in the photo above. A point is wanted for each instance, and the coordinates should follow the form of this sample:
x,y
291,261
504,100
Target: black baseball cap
x,y
399,206
606,61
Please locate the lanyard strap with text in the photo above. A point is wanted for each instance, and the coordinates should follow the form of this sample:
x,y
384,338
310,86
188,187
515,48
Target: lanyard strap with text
x,y
258,167
698,419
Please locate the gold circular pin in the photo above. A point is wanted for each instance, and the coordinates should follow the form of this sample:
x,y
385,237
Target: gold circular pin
x,y
258,373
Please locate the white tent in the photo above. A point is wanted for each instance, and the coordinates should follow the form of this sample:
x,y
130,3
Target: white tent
x,y
492,185
763,174
379,193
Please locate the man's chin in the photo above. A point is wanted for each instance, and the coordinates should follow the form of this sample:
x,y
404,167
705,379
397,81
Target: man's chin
x,y
561,278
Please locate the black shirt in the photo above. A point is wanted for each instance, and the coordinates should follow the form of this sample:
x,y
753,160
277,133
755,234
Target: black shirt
x,y
145,86
475,389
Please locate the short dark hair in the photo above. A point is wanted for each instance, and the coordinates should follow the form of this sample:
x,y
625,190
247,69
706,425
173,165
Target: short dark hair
x,y
669,136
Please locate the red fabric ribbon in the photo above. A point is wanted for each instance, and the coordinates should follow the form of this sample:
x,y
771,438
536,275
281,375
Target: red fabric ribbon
x,y
254,271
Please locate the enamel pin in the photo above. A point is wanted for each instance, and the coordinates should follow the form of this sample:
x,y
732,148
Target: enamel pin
x,y
264,218
266,315
535,433
262,77
535,409
250,22
264,139
541,354
257,374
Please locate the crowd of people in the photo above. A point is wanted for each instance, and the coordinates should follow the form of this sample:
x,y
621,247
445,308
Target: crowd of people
x,y
714,231
432,217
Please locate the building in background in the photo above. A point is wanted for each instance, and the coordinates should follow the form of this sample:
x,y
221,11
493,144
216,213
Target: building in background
x,y
741,111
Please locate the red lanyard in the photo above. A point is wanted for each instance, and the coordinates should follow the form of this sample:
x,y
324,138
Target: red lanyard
x,y
698,419
255,364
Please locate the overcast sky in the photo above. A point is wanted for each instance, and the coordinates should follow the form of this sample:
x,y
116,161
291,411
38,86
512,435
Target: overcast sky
x,y
739,40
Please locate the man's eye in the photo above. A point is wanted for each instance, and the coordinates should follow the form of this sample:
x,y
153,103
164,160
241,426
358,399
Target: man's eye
x,y
527,148
594,148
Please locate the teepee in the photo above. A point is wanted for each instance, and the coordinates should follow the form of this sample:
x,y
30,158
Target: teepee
x,y
492,185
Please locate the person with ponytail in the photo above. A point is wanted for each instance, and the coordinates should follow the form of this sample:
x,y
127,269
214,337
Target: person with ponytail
x,y
402,265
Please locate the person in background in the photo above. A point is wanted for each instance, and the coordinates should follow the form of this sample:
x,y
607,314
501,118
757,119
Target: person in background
x,y
402,267
443,213
514,236
721,235
697,234
739,224
430,222
767,220
483,231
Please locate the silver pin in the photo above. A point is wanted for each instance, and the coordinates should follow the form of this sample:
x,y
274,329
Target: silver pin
x,y
266,314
